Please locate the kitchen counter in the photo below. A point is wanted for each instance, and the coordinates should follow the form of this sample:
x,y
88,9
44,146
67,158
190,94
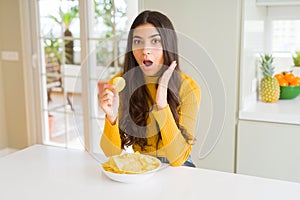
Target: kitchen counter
x,y
44,172
283,111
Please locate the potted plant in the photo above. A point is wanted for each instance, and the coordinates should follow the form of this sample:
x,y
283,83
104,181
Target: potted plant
x,y
66,19
53,55
296,60
50,121
109,14
52,50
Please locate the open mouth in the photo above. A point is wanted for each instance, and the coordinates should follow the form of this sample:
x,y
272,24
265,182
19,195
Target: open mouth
x,y
147,63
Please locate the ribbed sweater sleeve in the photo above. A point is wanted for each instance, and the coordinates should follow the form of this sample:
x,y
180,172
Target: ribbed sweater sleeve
x,y
110,140
176,147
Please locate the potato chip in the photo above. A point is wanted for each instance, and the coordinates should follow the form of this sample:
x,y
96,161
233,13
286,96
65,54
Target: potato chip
x,y
120,83
131,163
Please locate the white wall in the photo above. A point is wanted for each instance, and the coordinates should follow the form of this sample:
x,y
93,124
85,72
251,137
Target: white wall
x,y
216,26
12,89
3,134
253,43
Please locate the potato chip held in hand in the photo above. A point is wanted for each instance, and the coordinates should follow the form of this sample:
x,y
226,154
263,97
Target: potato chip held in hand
x,y
120,83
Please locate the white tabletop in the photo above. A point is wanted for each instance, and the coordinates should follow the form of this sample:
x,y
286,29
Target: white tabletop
x,y
43,172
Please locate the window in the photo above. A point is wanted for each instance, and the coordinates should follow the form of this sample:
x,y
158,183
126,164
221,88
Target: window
x,y
79,43
284,34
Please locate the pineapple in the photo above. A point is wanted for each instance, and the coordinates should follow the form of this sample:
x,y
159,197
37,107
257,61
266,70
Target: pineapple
x,y
269,86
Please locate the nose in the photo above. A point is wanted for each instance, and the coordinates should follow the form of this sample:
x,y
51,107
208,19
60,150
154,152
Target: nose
x,y
146,49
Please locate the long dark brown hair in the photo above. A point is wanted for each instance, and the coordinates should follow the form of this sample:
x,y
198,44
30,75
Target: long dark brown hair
x,y
134,99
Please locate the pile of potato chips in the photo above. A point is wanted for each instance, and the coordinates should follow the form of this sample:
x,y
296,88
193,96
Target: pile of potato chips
x,y
131,163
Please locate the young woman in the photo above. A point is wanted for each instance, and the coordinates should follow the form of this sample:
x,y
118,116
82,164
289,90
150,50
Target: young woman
x,y
157,110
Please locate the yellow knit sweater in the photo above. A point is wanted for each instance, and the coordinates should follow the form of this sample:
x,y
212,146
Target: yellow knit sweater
x,y
172,145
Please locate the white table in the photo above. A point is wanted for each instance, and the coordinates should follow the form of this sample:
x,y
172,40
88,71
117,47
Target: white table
x,y
44,172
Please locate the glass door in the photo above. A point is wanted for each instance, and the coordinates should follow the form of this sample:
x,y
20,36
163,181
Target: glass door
x,y
60,61
80,43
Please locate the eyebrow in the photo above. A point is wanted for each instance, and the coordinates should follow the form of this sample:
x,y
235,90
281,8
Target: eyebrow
x,y
152,36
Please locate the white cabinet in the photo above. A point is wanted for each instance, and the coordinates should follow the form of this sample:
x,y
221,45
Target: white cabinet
x,y
268,134
269,150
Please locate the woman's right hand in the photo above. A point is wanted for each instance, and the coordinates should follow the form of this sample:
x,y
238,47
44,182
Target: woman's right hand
x,y
109,101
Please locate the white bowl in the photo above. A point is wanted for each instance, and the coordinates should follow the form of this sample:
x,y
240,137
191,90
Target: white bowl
x,y
131,178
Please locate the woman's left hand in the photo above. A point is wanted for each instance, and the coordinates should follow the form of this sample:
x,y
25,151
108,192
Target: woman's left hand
x,y
162,90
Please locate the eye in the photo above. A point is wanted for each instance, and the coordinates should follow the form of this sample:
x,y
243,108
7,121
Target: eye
x,y
156,41
137,41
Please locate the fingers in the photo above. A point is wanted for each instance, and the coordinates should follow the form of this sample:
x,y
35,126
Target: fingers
x,y
171,69
108,86
172,66
107,95
161,94
109,101
167,74
107,89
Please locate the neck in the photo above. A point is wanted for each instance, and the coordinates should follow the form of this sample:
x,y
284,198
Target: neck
x,y
154,78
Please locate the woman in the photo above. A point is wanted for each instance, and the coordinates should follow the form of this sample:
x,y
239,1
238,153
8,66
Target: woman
x,y
157,111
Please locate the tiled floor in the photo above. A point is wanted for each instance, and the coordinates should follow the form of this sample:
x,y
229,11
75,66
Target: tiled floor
x,y
73,134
